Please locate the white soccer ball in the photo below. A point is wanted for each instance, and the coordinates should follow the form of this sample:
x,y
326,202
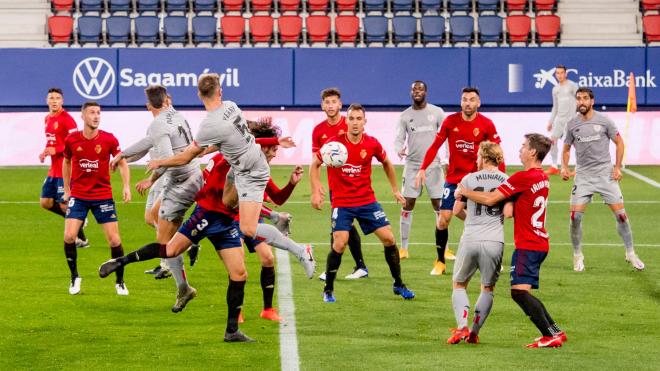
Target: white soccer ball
x,y
334,154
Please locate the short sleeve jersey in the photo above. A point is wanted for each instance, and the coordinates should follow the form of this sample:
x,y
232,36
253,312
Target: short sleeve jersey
x,y
591,139
210,196
90,164
57,128
483,223
417,128
564,104
351,184
324,131
464,138
529,190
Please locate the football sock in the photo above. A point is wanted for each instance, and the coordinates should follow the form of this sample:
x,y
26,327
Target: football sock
x,y
331,267
235,294
623,228
116,252
393,261
270,235
554,154
534,309
146,252
405,224
57,209
71,258
266,212
178,272
576,231
268,285
441,238
355,246
461,304
482,310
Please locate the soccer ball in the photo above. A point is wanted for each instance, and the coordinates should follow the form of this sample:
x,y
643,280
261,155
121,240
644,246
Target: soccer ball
x,y
334,154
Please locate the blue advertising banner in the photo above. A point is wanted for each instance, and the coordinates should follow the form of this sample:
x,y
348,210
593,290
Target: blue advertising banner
x,y
255,77
653,68
525,76
380,76
27,74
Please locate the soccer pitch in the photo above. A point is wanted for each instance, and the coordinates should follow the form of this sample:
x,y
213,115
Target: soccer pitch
x,y
611,314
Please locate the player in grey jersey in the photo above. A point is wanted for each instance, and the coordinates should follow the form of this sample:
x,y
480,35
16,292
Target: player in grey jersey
x,y
415,133
481,246
168,134
590,132
563,111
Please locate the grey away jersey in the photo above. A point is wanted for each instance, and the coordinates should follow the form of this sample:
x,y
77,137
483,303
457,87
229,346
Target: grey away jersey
x,y
564,105
226,128
591,139
483,223
419,128
167,135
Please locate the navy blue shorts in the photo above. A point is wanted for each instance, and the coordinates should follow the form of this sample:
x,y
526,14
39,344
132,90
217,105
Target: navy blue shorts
x,y
220,229
370,217
526,266
53,188
104,210
448,196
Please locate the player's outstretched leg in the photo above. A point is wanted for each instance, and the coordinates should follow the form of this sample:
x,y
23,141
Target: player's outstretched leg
x,y
146,252
120,286
185,292
304,253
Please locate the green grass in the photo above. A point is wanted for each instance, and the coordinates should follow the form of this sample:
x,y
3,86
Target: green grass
x,y
609,312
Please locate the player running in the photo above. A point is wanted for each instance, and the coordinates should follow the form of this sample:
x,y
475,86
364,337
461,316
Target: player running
x,y
563,111
353,198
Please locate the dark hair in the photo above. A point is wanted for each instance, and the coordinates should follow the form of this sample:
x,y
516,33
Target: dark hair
x,y
208,84
55,90
156,95
264,129
585,90
426,87
470,89
560,66
90,103
356,106
540,143
330,92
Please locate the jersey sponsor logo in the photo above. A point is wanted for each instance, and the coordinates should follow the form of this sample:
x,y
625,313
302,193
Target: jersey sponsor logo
x,y
98,149
94,78
51,137
88,165
380,214
588,138
351,170
423,129
363,153
465,146
105,208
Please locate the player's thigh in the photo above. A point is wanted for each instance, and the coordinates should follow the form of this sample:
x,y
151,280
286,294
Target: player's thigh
x,y
234,261
558,130
251,185
385,235
582,191
71,228
177,197
408,188
435,180
490,261
371,218
178,244
77,209
111,232
53,189
265,253
466,262
610,190
249,212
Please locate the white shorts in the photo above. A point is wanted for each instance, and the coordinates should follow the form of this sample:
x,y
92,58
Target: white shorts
x,y
178,195
435,179
483,255
155,192
251,184
584,188
558,129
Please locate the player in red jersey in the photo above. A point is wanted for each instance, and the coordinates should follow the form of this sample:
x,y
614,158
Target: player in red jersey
x,y
335,125
528,189
86,173
353,198
58,124
464,131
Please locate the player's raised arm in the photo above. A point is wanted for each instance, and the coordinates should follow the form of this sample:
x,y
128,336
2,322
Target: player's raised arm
x,y
318,192
181,158
484,198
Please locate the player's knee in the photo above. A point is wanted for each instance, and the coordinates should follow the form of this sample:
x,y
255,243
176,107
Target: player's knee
x,y
239,275
267,260
114,240
576,217
518,295
248,230
388,240
70,238
621,216
46,203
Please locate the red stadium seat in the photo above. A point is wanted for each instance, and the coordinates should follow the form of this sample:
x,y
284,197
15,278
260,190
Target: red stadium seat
x,y
289,5
650,5
651,28
62,5
317,5
518,28
347,27
545,6
516,6
547,29
60,29
318,28
261,5
290,27
261,28
346,5
233,28
232,5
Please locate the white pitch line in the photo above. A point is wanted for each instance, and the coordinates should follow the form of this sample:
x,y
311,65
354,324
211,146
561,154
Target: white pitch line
x,y
642,178
288,338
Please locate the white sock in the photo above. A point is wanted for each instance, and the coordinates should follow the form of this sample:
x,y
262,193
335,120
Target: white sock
x,y
482,310
554,153
270,235
176,267
461,304
405,225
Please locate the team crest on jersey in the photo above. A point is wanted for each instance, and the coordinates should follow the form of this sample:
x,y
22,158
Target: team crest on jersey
x,y
475,131
455,129
430,118
363,153
79,149
56,125
98,149
341,132
597,128
324,137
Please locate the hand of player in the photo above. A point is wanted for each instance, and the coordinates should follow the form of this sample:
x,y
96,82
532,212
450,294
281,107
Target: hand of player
x,y
549,126
296,175
616,173
50,151
286,142
317,200
399,198
153,165
127,194
565,173
66,196
402,153
143,185
42,157
420,178
114,162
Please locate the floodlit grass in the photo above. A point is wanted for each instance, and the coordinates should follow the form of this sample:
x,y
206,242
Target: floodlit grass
x,y
609,312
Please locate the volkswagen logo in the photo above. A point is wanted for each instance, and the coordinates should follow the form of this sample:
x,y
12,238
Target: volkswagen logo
x,y
94,78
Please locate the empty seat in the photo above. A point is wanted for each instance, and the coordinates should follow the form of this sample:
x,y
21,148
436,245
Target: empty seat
x,y
119,6
317,5
261,5
516,6
651,28
176,6
430,5
148,6
347,28
61,5
461,29
205,6
147,29
460,6
650,5
318,28
490,29
547,28
375,29
175,29
204,29
433,29
90,30
87,6
403,6
404,29
289,5
261,28
518,28
545,6
488,6
232,5
118,29
374,5
290,27
60,29
346,5
232,28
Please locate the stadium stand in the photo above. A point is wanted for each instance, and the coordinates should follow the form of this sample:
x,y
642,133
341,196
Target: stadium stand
x,y
204,29
490,29
652,28
404,29
261,6
175,30
120,6
461,29
318,29
649,6
172,6
261,29
541,6
118,30
59,6
88,6
370,6
426,6
147,30
346,5
488,6
316,6
289,6
403,6
60,29
290,29
600,23
90,30
519,28
433,29
233,6
547,29
148,6
375,29
464,6
232,29
347,28
205,6
516,6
